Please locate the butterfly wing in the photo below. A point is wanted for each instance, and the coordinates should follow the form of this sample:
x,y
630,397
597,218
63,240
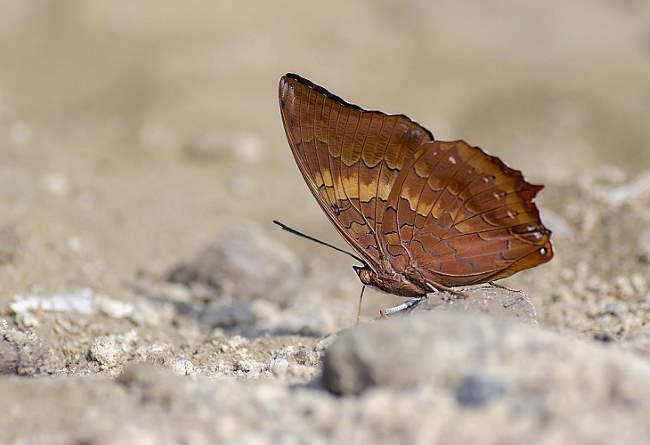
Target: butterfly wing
x,y
458,216
349,157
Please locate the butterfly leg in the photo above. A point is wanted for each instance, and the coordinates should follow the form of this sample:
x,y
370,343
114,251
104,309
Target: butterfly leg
x,y
493,284
439,287
359,307
406,306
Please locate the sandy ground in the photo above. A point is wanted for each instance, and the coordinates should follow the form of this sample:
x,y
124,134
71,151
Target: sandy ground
x,y
147,298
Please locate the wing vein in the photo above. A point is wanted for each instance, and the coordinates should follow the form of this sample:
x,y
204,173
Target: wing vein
x,y
381,169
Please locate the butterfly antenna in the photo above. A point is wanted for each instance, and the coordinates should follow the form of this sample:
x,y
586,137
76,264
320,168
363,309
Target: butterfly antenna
x,y
311,238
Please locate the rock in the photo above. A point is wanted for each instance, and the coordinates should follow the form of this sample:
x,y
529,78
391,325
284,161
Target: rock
x,y
476,390
8,357
279,367
244,264
113,350
25,353
84,301
183,367
150,405
228,316
481,361
489,299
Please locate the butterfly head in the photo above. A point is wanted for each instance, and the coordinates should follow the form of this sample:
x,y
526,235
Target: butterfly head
x,y
366,275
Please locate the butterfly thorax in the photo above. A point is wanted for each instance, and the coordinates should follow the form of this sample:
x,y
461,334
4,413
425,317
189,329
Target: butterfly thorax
x,y
393,282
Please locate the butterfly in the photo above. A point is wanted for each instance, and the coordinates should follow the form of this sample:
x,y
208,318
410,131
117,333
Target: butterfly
x,y
423,215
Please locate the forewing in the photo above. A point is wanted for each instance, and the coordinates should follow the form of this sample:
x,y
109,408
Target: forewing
x,y
458,216
349,157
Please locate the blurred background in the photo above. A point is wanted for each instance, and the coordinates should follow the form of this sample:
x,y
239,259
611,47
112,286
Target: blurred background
x,y
132,132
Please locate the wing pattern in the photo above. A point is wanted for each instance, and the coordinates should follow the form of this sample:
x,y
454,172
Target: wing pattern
x,y
458,216
349,157
433,212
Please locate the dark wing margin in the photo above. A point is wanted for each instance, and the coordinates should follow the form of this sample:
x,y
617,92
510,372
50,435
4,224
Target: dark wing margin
x,y
349,157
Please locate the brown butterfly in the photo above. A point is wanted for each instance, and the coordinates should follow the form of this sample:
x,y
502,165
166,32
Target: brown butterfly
x,y
423,215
